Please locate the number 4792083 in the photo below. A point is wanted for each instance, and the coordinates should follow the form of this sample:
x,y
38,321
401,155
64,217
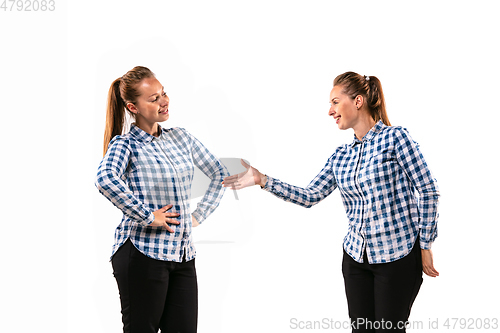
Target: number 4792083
x,y
28,5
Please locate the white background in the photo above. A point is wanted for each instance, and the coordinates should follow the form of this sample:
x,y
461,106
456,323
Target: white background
x,y
249,79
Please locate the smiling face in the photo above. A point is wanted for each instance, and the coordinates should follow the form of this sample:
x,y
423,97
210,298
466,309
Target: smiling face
x,y
151,106
343,108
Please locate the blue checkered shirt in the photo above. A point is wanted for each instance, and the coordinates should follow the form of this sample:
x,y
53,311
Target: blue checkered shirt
x,y
141,173
389,194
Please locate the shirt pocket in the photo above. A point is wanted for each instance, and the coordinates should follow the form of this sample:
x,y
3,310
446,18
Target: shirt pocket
x,y
184,170
181,163
380,170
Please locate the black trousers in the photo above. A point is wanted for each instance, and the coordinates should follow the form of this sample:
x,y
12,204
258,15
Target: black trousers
x,y
380,296
155,294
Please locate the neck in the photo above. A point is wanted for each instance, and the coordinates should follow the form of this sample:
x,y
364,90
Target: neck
x,y
152,129
363,126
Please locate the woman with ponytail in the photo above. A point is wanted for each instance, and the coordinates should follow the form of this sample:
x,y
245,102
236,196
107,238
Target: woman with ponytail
x,y
391,202
147,174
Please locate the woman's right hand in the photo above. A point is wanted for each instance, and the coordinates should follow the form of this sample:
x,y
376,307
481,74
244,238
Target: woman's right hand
x,y
162,218
246,178
428,263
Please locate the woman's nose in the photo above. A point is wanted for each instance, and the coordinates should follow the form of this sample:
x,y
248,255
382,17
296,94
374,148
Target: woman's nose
x,y
331,112
165,100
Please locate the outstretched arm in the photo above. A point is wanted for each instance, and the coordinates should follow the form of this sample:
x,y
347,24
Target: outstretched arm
x,y
318,189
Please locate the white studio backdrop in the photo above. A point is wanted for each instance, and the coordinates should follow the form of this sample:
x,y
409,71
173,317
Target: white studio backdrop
x,y
250,80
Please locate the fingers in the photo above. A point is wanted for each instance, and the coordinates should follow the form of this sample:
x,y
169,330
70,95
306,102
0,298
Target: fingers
x,y
171,221
430,271
163,218
245,164
231,181
234,186
167,207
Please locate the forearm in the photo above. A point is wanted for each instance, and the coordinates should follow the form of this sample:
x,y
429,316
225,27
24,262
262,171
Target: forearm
x,y
214,193
305,197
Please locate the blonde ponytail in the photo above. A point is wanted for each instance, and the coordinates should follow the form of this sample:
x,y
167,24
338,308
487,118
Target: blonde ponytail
x,y
115,114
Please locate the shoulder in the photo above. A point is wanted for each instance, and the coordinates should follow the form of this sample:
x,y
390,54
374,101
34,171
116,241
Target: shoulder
x,y
340,152
179,133
180,137
126,142
393,130
119,149
120,142
400,139
342,149
395,133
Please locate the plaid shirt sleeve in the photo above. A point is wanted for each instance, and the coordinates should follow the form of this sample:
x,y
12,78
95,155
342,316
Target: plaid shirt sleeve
x,y
412,161
110,181
211,166
318,189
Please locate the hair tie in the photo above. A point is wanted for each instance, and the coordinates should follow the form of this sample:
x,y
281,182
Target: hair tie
x,y
367,78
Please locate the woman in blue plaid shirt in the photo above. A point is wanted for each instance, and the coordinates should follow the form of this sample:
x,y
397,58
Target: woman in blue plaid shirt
x,y
391,201
147,174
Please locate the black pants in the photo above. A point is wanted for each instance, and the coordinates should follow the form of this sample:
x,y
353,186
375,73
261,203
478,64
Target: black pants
x,y
155,294
380,296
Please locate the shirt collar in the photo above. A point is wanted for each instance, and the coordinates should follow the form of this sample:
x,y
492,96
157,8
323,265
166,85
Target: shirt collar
x,y
371,133
143,136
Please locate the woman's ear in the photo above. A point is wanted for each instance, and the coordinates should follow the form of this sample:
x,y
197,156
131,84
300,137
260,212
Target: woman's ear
x,y
359,101
131,107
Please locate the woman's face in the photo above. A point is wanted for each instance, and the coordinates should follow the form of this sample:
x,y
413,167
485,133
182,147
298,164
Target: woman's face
x,y
152,105
342,109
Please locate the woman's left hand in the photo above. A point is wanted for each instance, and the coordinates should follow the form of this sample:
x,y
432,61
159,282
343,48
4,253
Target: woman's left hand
x,y
195,222
428,264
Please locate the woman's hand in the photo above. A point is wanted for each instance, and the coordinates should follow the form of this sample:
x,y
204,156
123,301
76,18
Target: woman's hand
x,y
247,178
162,218
427,264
